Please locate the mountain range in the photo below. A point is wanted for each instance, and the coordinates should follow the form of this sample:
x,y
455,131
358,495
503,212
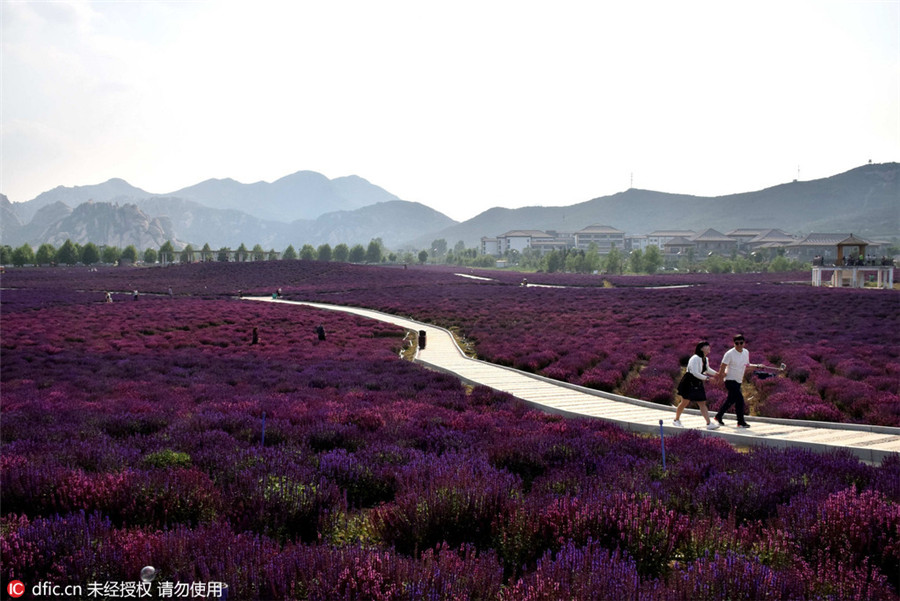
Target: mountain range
x,y
308,208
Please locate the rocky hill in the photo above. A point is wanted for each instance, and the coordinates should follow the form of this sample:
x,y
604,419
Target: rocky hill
x,y
110,224
865,200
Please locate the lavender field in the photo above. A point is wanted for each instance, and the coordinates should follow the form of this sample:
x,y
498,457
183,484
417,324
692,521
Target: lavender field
x,y
153,433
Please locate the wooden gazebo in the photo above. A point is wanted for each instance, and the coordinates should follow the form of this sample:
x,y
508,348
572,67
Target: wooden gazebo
x,y
850,242
851,270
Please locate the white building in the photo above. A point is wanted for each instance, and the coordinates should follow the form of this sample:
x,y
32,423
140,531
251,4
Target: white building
x,y
604,236
660,238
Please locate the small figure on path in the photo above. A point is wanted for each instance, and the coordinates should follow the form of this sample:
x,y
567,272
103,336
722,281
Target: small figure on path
x,y
135,295
691,388
735,362
320,330
255,338
108,297
171,295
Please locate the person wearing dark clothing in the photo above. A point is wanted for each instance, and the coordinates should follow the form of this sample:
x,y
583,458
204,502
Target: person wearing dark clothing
x,y
735,362
320,330
255,339
691,388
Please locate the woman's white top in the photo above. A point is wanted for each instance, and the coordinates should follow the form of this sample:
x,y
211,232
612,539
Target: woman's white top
x,y
695,366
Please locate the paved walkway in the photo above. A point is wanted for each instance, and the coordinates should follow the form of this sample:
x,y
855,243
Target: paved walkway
x,y
869,443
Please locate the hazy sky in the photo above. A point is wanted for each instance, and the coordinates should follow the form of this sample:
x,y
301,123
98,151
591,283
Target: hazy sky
x,y
458,105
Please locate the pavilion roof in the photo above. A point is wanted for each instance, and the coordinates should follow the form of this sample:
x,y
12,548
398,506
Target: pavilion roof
x,y
526,234
852,240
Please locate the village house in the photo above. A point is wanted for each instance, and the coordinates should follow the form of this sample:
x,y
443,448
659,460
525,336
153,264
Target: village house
x,y
823,247
515,240
675,244
555,241
490,246
709,242
603,236
713,242
659,238
633,243
756,239
678,246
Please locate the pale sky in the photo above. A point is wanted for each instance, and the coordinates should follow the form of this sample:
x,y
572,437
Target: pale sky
x,y
461,105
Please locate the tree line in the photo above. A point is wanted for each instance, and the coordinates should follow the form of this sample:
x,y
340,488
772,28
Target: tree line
x,y
72,253
649,260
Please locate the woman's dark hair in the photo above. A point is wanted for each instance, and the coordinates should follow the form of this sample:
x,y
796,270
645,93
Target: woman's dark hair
x,y
699,352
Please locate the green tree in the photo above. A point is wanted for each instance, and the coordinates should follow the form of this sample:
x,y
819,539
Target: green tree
x,y
308,253
531,258
357,253
592,259
780,264
5,254
374,252
206,253
90,254
438,248
717,264
46,254
273,256
636,261
341,253
423,256
130,254
150,256
167,253
258,253
110,255
653,259
241,253
289,253
555,261
742,265
187,255
24,255
485,261
323,253
614,262
575,261
224,254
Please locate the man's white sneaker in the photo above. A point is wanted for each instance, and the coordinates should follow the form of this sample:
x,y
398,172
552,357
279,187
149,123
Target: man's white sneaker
x,y
712,426
677,423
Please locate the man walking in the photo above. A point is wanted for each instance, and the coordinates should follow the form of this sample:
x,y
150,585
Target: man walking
x,y
735,362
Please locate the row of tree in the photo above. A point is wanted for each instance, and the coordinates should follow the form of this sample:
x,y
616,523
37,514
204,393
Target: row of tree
x,y
71,253
638,261
590,260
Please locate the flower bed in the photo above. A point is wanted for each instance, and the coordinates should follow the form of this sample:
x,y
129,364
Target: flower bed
x,y
132,435
843,364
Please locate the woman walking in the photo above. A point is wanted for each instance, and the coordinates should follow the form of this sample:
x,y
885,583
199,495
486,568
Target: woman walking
x,y
691,386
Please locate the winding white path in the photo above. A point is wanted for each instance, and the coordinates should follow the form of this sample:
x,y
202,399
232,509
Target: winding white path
x,y
869,443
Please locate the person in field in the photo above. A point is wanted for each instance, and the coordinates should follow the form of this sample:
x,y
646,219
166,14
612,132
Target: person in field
x,y
735,363
691,388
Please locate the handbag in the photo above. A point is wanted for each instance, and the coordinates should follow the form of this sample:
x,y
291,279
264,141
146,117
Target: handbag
x,y
688,384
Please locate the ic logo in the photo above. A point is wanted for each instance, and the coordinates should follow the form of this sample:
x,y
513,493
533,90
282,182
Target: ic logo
x,y
15,588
